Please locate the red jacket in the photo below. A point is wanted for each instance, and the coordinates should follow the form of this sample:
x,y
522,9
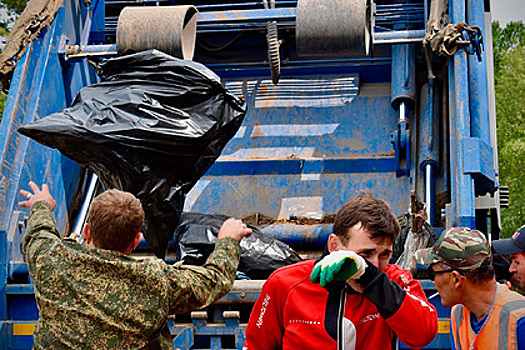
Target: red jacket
x,y
294,313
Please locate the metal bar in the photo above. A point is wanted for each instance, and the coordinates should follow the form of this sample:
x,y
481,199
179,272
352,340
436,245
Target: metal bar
x,y
478,81
461,210
430,193
82,214
296,166
379,38
81,51
310,235
291,234
262,15
398,37
19,289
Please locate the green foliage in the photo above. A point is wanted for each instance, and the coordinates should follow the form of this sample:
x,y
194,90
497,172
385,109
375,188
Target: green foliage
x,y
3,98
3,30
505,39
509,68
15,5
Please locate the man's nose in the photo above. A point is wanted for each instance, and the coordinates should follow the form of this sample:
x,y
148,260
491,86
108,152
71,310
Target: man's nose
x,y
512,267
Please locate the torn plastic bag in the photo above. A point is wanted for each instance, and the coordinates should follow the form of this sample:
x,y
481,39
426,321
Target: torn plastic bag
x,y
153,127
261,254
409,241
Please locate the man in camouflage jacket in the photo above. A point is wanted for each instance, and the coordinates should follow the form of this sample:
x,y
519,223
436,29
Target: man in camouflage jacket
x,y
99,297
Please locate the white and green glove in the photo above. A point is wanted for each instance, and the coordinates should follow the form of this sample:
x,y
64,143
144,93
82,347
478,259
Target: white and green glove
x,y
340,265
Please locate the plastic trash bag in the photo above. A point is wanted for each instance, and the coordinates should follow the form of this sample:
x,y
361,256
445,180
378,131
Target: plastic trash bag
x,y
409,241
261,254
152,127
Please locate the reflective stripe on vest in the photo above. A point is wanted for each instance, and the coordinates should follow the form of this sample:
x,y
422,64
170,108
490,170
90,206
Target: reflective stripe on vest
x,y
505,318
457,318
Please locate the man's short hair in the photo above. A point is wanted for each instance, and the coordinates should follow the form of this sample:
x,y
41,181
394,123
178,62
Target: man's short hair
x,y
482,274
374,214
115,217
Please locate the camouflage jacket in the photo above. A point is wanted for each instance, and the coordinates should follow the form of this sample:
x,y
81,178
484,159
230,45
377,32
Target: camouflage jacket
x,y
92,298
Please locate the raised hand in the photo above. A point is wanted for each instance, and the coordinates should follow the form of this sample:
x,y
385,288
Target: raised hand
x,y
37,195
340,265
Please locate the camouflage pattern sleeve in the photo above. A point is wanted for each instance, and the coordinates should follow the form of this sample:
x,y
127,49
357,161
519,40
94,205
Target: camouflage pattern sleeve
x,y
41,232
195,287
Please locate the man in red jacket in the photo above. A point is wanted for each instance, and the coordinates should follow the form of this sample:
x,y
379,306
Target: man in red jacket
x,y
350,299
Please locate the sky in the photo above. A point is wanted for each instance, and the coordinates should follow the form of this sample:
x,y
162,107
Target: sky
x,y
505,11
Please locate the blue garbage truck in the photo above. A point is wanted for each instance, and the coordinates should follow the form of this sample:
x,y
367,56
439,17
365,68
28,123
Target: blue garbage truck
x,y
392,97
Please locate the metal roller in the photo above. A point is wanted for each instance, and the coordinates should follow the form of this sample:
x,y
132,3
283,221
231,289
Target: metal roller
x,y
171,29
335,28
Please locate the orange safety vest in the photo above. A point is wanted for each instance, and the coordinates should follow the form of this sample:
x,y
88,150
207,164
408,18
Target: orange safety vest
x,y
499,330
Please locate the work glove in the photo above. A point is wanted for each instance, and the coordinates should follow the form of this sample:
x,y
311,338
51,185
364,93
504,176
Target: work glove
x,y
340,265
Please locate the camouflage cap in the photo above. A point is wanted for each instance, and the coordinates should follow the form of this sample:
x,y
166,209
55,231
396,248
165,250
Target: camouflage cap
x,y
458,247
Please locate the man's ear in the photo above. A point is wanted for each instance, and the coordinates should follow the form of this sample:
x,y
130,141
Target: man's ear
x,y
87,233
136,241
334,243
459,279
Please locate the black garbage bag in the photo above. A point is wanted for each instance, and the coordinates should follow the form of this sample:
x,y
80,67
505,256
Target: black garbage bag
x,y
261,254
152,127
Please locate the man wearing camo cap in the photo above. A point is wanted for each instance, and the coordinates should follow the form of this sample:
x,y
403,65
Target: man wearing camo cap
x,y
485,314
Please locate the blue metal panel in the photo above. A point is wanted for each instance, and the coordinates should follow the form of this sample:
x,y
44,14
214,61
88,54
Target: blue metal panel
x,y
302,166
461,210
315,149
41,85
6,156
442,341
478,81
98,25
478,157
300,235
22,306
16,335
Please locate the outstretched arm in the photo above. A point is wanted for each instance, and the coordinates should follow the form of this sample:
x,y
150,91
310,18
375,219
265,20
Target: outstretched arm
x,y
195,287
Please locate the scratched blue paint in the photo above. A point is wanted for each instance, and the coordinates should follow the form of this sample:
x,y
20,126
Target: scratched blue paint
x,y
478,81
294,130
271,152
364,128
239,195
461,210
478,157
302,235
40,86
98,26
298,166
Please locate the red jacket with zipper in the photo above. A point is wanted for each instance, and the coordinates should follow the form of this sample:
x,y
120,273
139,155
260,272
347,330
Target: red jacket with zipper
x,y
294,313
